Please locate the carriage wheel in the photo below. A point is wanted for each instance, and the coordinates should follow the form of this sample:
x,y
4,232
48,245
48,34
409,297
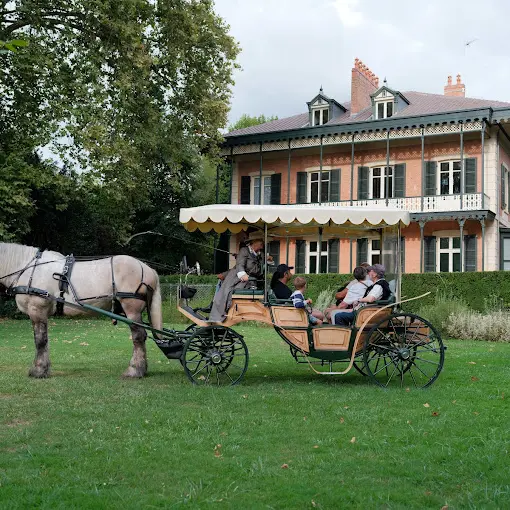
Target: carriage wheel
x,y
191,327
360,367
215,355
403,349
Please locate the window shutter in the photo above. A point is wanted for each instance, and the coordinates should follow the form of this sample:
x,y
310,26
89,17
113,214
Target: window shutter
x,y
300,256
400,180
430,254
334,185
470,175
276,189
470,249
333,256
361,250
274,251
503,188
362,182
430,178
245,189
301,188
403,254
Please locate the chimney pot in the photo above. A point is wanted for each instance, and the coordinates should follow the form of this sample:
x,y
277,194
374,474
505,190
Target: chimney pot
x,y
455,90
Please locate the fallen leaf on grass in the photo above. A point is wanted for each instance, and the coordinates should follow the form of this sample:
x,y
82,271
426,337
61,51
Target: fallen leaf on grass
x,y
428,493
304,418
341,419
475,413
454,401
285,466
346,407
316,446
353,440
426,404
84,343
314,504
245,396
408,389
435,413
23,346
471,363
445,507
408,422
474,378
217,450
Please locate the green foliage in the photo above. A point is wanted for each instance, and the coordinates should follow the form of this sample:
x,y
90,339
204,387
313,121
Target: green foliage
x,y
439,312
325,299
14,45
248,121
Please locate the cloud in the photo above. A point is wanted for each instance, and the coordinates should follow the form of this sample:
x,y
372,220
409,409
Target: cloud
x,y
348,13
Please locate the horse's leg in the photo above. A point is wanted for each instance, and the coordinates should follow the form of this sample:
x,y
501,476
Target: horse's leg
x,y
138,364
41,366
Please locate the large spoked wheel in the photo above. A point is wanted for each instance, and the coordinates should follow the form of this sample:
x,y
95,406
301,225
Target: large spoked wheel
x,y
403,350
215,355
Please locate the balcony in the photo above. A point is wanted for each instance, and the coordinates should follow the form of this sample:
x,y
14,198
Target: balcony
x,y
434,203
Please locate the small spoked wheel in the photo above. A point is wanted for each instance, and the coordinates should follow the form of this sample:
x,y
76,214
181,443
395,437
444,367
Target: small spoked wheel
x,y
403,350
215,355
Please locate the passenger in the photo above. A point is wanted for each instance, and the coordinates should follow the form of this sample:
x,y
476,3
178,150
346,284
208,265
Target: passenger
x,y
315,316
342,292
249,264
379,291
355,292
279,281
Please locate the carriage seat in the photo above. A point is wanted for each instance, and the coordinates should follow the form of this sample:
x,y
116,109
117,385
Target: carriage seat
x,y
274,301
248,294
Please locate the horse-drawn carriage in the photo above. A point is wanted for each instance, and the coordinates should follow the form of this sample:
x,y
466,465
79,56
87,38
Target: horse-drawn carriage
x,y
385,343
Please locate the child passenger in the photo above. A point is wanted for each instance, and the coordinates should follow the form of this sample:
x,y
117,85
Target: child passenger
x,y
316,317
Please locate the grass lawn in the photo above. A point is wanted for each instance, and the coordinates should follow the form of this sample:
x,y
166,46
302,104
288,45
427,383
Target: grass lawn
x,y
86,438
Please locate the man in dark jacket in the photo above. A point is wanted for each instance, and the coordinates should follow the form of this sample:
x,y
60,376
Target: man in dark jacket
x,y
281,277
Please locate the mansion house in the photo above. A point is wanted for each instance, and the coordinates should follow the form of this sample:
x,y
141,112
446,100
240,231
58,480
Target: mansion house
x,y
444,158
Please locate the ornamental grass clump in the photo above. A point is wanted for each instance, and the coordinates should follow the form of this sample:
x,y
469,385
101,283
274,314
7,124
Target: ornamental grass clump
x,y
491,327
445,306
325,299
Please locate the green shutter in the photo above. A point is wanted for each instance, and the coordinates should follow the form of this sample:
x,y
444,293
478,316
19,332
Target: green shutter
x,y
470,253
276,189
333,255
334,185
301,188
430,178
400,180
403,254
503,188
361,250
470,175
274,251
300,256
245,189
362,182
430,254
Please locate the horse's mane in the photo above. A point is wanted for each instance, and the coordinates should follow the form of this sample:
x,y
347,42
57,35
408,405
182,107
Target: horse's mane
x,y
13,256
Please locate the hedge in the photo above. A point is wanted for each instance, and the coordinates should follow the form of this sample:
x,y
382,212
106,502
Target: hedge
x,y
471,287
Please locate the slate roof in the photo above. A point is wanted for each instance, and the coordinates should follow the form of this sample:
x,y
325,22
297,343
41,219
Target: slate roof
x,y
420,104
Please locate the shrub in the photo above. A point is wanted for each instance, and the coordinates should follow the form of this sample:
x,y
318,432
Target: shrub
x,y
325,299
469,325
439,312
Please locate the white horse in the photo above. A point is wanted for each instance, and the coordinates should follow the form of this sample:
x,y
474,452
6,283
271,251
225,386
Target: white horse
x,y
92,280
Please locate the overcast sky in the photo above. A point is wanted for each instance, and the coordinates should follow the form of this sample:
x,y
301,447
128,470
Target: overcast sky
x,y
292,47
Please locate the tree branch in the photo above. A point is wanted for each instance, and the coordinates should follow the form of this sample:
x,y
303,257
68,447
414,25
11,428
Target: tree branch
x,y
16,25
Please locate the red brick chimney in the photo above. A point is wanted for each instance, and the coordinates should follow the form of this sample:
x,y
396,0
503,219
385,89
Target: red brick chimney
x,y
364,82
457,90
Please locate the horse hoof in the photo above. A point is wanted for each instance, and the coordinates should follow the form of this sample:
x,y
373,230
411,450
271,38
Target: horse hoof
x,y
38,373
132,372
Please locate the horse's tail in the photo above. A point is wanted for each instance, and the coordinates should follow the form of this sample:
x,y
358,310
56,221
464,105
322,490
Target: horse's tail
x,y
155,306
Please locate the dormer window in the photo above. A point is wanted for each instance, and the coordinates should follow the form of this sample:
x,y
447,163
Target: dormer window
x,y
384,109
320,116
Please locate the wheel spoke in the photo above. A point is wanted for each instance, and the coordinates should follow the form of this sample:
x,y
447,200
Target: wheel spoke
x,y
426,360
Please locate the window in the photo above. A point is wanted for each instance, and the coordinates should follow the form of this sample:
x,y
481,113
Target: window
x,y
313,187
449,178
317,262
448,254
266,192
505,252
377,185
384,109
374,251
320,116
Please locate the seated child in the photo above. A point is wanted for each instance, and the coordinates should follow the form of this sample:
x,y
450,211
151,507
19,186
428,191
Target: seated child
x,y
355,292
298,298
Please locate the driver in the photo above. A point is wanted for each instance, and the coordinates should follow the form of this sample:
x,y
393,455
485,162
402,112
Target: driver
x,y
249,264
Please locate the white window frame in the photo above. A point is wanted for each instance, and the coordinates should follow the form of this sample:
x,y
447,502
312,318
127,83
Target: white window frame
x,y
253,176
321,115
316,253
507,191
450,173
385,109
309,184
371,251
383,181
450,251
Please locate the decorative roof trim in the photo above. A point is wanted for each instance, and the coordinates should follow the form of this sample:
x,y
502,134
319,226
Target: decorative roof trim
x,y
391,91
458,116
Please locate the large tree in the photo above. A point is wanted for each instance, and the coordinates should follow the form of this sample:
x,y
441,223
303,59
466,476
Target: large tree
x,y
246,120
132,91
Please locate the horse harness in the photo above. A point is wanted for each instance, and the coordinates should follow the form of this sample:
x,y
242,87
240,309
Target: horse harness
x,y
64,279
